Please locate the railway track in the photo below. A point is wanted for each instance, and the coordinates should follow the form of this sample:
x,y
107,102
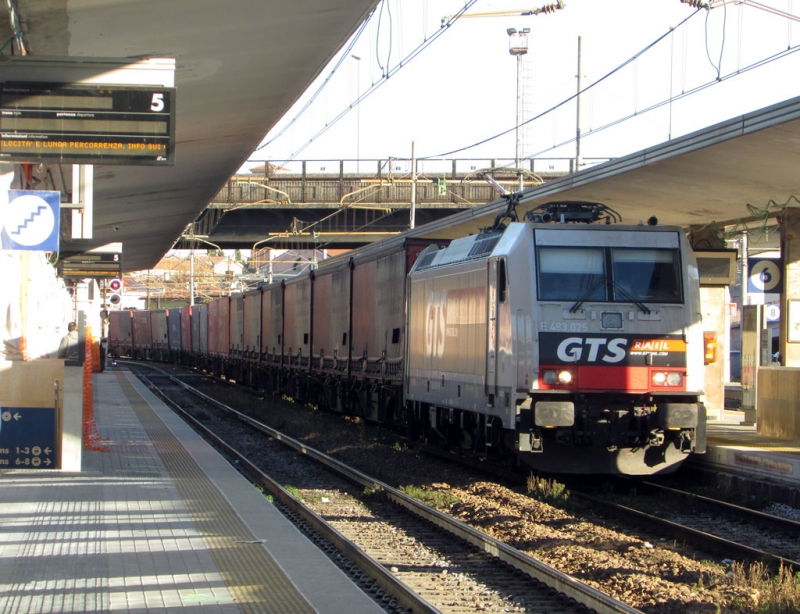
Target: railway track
x,y
633,563
710,524
408,555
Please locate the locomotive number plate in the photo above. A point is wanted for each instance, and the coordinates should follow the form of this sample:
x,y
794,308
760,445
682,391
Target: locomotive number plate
x,y
565,327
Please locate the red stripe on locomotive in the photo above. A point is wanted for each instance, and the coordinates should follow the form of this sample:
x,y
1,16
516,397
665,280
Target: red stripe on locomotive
x,y
593,378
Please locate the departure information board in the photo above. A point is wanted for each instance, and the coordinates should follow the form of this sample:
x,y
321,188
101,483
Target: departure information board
x,y
87,124
89,264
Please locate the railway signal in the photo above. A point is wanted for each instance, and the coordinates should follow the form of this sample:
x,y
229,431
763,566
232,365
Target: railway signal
x,y
115,286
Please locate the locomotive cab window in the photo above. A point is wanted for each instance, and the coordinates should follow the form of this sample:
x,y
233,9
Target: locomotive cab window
x,y
571,274
609,274
647,275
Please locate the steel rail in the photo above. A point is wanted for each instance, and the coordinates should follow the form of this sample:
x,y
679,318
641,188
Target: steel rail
x,y
743,512
402,593
572,589
680,531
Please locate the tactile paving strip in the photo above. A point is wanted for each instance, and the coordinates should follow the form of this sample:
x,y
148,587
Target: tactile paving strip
x,y
252,576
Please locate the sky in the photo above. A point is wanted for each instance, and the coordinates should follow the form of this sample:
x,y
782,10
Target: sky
x,y
450,88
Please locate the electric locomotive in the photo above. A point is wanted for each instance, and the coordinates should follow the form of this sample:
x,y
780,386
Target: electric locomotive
x,y
575,345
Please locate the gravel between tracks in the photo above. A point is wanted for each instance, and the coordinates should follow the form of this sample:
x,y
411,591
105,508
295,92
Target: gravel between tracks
x,y
650,573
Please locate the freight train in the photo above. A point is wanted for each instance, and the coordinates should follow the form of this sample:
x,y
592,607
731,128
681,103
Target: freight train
x,y
564,343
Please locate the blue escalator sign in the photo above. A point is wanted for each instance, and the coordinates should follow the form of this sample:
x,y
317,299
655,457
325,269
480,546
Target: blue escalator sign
x,y
30,220
27,438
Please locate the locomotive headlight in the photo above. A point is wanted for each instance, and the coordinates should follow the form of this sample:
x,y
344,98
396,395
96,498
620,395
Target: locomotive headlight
x,y
671,378
565,377
557,378
674,379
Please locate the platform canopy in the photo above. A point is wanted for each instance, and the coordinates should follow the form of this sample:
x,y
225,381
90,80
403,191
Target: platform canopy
x,y
240,65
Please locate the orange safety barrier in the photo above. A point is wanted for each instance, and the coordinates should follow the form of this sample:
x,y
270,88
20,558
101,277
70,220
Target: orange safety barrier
x,y
96,356
91,437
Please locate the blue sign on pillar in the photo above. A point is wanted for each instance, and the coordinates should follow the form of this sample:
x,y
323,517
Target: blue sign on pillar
x,y
30,220
27,438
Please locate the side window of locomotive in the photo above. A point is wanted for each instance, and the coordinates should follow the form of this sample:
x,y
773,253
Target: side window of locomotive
x,y
571,274
646,275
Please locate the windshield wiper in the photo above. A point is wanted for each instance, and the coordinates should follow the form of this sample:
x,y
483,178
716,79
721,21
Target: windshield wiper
x,y
587,295
625,294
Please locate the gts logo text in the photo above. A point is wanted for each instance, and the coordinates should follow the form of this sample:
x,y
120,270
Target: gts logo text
x,y
572,349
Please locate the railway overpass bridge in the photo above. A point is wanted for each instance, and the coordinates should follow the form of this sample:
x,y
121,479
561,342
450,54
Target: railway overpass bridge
x,y
350,203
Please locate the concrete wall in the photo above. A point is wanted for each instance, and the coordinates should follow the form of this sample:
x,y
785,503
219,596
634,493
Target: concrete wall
x,y
778,404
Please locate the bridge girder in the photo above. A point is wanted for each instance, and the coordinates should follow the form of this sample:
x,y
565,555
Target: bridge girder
x,y
337,211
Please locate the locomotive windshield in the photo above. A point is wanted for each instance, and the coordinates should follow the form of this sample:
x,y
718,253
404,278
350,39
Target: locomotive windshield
x,y
609,274
646,275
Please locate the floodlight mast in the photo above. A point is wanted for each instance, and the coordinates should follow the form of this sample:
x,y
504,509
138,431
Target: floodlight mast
x,y
518,46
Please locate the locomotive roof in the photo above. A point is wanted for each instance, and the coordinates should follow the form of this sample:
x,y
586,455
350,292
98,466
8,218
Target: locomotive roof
x,y
476,247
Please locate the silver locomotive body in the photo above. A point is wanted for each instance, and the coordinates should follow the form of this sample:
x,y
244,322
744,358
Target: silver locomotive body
x,y
578,348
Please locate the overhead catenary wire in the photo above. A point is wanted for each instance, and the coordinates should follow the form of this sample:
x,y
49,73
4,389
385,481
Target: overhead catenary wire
x,y
718,66
384,5
388,73
660,104
345,54
567,100
591,88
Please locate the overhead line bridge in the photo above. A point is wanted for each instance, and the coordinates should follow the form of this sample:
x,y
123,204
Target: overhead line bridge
x,y
348,203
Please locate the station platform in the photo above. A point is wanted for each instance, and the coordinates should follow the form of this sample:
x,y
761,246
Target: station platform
x,y
765,466
158,521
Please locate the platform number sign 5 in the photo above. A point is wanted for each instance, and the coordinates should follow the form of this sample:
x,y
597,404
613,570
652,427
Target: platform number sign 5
x,y
764,275
157,103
